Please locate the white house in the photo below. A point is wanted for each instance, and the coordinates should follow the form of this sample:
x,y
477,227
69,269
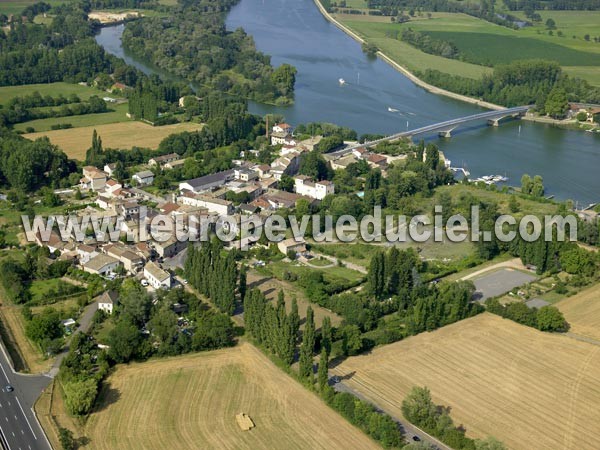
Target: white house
x,y
112,186
162,160
107,301
283,128
101,265
216,205
304,185
93,179
145,177
157,277
110,168
86,252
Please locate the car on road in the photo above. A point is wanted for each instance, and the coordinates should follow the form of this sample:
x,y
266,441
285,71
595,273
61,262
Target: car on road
x,y
9,388
416,438
335,379
185,281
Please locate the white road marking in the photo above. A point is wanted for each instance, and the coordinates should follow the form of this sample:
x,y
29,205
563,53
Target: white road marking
x,y
4,372
4,437
32,432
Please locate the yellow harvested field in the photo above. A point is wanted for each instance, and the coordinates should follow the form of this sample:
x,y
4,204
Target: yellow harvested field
x,y
75,141
191,402
582,311
531,390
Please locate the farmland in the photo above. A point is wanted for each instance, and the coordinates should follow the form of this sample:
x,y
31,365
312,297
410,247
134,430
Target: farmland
x,y
482,43
190,402
75,141
527,388
582,311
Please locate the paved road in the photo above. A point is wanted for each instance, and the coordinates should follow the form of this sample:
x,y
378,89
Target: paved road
x,y
85,321
408,429
19,427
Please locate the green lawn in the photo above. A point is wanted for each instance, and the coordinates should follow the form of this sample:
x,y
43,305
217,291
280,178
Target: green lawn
x,y
486,43
52,89
277,269
118,114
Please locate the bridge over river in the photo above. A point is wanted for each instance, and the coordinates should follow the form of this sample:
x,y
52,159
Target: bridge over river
x,y
444,128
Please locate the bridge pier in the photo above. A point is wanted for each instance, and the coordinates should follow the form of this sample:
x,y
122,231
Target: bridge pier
x,y
446,133
494,122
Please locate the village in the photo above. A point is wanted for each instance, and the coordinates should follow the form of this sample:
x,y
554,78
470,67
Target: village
x,y
206,197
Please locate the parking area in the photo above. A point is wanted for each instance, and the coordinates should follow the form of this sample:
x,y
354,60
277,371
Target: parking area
x,y
500,282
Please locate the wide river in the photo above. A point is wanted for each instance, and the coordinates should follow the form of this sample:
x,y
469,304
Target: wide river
x,y
295,32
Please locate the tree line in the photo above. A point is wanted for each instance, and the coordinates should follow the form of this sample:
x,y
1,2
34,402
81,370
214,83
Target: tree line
x,y
528,82
214,275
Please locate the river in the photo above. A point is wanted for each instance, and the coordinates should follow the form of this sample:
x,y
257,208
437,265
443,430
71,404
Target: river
x,y
295,32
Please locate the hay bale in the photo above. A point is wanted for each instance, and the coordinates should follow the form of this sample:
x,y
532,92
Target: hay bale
x,y
244,421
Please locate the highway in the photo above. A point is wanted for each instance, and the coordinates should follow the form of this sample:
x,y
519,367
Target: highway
x,y
19,428
440,126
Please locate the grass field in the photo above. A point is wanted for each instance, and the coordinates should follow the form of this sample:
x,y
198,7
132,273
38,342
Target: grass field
x,y
527,388
117,114
582,311
190,402
52,89
10,7
32,357
485,43
76,141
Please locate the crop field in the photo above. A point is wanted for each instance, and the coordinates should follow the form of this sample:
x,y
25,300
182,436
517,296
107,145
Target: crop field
x,y
484,43
75,141
582,311
52,89
527,388
190,402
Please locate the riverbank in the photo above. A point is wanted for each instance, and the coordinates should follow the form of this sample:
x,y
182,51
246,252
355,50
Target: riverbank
x,y
403,70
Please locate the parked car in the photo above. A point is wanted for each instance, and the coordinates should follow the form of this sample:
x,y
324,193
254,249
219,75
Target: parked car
x,y
9,388
144,283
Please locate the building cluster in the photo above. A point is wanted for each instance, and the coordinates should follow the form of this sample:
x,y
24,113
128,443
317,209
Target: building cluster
x,y
242,193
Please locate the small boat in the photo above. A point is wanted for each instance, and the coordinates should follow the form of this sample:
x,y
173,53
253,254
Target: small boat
x,y
390,109
342,81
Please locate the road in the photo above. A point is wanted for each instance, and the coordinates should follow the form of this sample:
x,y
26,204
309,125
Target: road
x,y
19,428
408,429
85,321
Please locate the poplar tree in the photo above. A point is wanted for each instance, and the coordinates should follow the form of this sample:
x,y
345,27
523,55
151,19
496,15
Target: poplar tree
x,y
323,374
307,347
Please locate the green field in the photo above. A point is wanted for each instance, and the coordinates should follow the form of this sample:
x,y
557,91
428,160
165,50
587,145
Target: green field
x,y
52,89
17,7
485,43
118,114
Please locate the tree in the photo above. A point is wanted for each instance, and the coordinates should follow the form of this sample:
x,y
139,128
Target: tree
x,y
135,301
418,407
326,336
513,204
80,396
124,340
305,369
550,24
490,443
65,437
526,184
351,339
549,318
557,103
323,374
286,183
44,326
